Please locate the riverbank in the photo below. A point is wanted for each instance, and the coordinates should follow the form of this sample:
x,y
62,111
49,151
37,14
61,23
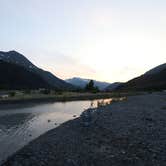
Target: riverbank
x,y
66,96
127,133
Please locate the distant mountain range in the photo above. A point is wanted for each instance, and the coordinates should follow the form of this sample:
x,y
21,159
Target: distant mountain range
x,y
154,79
14,58
17,72
113,86
82,82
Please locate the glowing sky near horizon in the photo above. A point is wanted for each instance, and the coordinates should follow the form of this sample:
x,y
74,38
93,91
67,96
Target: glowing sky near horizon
x,y
107,40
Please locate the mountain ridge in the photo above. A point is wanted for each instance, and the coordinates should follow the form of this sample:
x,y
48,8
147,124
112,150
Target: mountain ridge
x,y
81,82
19,59
154,79
156,69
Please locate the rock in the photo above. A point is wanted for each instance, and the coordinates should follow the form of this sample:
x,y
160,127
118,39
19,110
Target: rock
x,y
70,162
149,119
86,118
123,152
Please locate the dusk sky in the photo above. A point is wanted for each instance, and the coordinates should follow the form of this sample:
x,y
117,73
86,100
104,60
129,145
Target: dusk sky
x,y
107,40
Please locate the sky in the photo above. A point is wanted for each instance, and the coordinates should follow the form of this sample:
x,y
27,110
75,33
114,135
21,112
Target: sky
x,y
106,40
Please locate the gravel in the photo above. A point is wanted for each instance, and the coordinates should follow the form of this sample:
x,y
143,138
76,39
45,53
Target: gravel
x,y
126,133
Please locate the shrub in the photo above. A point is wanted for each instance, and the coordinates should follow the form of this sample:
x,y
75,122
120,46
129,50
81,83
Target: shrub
x,y
45,91
28,91
12,94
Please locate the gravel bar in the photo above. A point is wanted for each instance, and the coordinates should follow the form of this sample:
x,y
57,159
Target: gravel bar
x,y
126,133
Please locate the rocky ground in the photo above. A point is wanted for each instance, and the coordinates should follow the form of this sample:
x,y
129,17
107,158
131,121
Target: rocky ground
x,y
127,133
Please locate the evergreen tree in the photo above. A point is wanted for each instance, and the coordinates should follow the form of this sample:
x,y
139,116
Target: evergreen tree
x,y
90,87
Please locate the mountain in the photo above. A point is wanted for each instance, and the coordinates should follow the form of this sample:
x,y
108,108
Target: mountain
x,y
113,86
17,77
154,79
18,59
81,82
156,69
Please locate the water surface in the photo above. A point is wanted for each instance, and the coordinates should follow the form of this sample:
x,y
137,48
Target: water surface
x,y
20,125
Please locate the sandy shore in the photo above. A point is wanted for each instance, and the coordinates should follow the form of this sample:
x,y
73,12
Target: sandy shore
x,y
127,133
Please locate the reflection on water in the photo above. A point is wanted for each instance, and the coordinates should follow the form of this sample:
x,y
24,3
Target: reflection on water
x,y
18,126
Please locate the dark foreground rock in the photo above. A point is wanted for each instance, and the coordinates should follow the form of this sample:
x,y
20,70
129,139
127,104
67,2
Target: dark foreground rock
x,y
128,133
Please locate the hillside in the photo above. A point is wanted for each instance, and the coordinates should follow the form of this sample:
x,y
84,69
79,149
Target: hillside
x,y
18,59
156,69
154,79
17,77
113,86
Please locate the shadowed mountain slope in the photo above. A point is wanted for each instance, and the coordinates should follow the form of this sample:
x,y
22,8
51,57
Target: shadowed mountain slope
x,y
154,79
17,77
18,59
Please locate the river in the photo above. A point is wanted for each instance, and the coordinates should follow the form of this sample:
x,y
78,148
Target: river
x,y
21,124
